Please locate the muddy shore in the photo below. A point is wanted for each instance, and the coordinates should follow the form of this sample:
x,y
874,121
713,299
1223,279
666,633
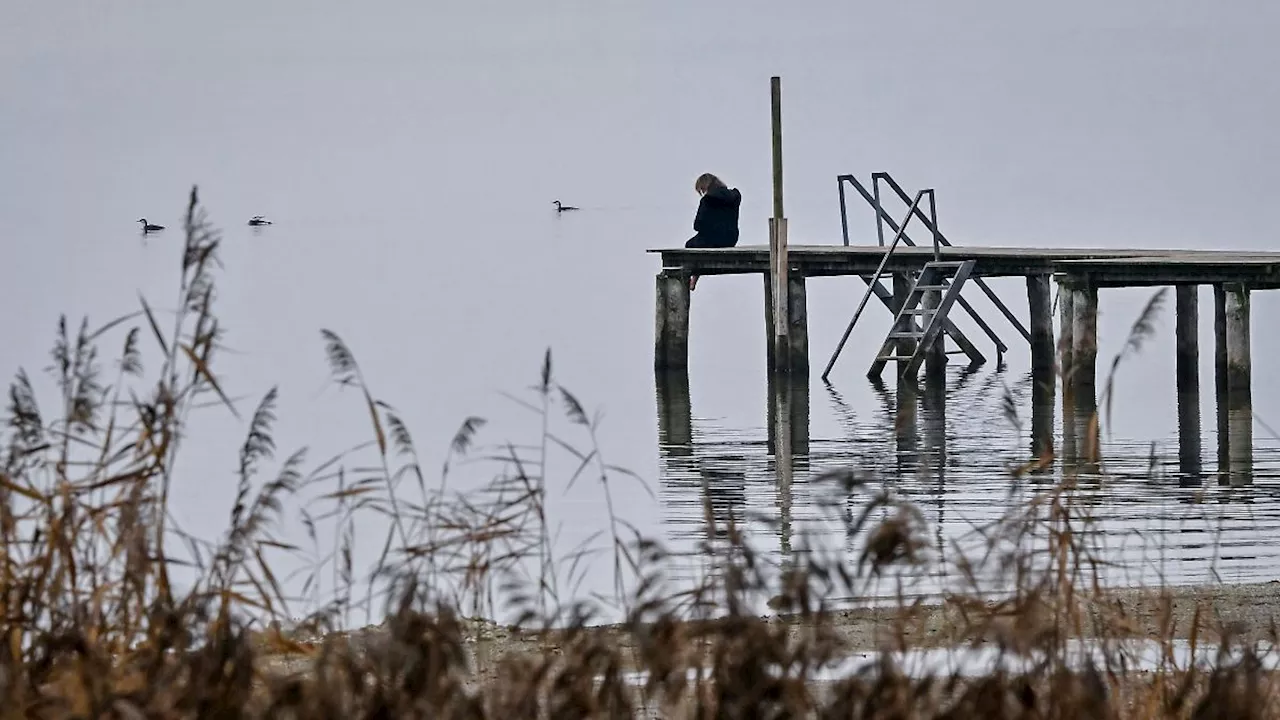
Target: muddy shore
x,y
1245,611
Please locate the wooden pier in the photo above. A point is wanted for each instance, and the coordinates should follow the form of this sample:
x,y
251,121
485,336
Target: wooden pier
x,y
1079,272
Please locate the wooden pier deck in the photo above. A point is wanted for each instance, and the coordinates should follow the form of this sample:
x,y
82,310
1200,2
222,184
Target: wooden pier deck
x,y
1080,273
1110,267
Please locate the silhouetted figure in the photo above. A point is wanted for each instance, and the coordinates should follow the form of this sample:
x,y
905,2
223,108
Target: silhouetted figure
x,y
562,208
148,227
716,224
258,221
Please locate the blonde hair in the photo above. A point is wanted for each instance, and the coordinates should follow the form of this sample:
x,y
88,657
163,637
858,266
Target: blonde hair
x,y
707,182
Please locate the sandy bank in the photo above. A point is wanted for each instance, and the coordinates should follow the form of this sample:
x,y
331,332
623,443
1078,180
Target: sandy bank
x,y
1244,610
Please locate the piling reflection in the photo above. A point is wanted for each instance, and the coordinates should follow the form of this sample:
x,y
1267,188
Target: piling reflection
x,y
906,430
715,482
788,431
714,474
1190,471
933,422
1240,443
675,414
947,450
1043,394
788,414
1081,433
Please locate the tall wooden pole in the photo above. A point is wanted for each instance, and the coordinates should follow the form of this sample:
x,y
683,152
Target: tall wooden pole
x,y
778,238
775,88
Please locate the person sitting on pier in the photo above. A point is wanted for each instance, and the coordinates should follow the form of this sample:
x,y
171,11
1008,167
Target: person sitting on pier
x,y
716,224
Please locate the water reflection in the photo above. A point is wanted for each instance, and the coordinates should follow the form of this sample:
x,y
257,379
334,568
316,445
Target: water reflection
x,y
788,441
1190,473
950,450
720,478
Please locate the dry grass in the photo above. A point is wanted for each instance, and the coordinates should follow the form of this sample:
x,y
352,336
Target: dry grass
x,y
95,624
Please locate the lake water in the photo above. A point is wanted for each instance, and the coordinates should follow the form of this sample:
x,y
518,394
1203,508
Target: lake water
x,y
409,154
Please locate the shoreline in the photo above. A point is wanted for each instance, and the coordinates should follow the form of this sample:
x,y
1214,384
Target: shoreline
x,y
1243,612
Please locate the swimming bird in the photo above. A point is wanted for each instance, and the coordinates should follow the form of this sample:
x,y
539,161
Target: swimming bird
x,y
148,227
257,220
562,208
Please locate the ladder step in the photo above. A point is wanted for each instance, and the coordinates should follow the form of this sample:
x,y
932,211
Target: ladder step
x,y
920,288
945,264
904,358
918,311
907,334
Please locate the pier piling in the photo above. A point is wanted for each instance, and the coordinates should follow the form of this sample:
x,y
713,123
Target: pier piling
x,y
935,360
788,353
1239,377
906,346
1040,304
1066,343
1188,338
1080,273
1084,331
1187,332
671,339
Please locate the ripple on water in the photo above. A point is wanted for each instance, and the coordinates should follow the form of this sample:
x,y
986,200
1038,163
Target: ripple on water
x,y
952,457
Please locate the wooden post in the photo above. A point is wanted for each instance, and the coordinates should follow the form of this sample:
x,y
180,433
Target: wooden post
x,y
1084,354
797,326
1084,357
1040,303
1066,341
778,272
1220,380
793,355
671,334
775,92
770,334
1187,332
778,266
935,362
1239,379
906,346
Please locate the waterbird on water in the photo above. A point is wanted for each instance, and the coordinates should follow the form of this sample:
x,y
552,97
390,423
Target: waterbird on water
x,y
562,208
148,227
257,220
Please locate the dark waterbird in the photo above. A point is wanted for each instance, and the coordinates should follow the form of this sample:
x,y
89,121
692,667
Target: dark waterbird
x,y
562,208
258,220
148,227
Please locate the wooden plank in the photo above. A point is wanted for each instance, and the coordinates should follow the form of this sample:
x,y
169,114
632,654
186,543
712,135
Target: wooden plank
x,y
1104,267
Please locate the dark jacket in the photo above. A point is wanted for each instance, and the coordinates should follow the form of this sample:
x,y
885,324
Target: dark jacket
x,y
717,220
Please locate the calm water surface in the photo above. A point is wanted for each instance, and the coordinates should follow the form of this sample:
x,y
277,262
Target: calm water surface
x,y
409,156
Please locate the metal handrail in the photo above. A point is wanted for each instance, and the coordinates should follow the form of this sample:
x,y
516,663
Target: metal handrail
x,y
876,279
867,197
937,235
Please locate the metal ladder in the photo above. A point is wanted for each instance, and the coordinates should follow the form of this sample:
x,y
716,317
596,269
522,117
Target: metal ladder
x,y
888,298
883,220
933,320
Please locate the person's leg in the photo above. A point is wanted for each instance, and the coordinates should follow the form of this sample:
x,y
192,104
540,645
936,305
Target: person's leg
x,y
697,241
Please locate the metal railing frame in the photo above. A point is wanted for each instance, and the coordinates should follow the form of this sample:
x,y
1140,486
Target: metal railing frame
x,y
900,235
931,224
